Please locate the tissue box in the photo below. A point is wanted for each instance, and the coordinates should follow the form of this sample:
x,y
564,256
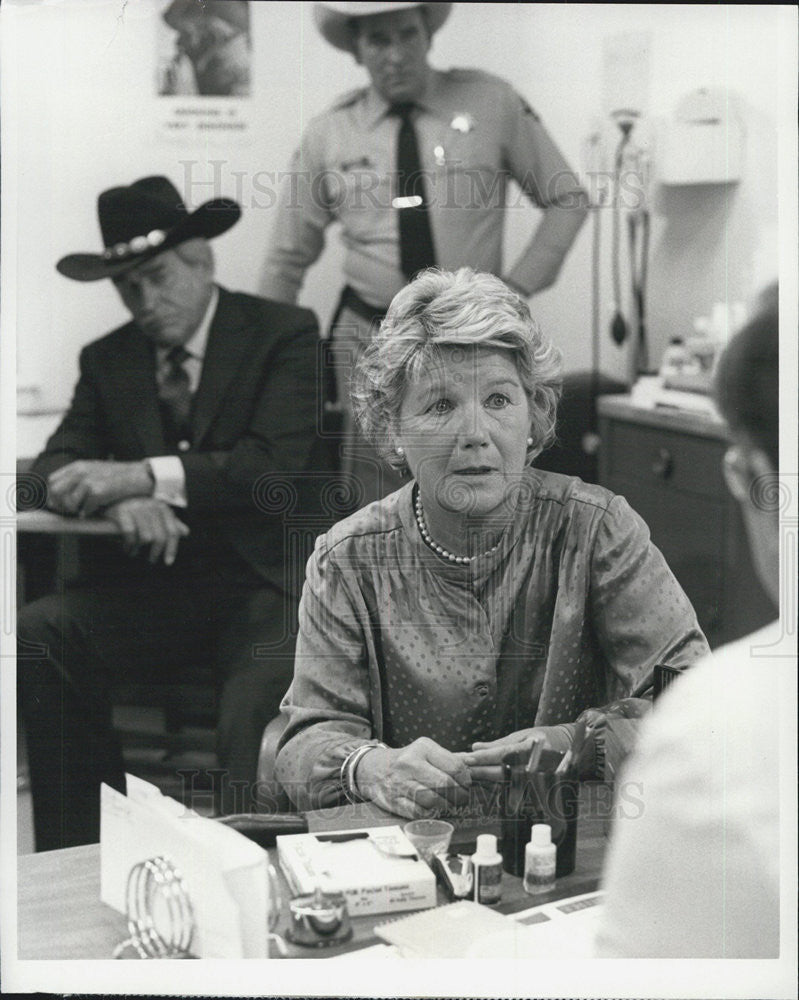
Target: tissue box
x,y
376,869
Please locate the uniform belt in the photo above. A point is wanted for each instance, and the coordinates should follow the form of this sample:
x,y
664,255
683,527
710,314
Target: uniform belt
x,y
351,300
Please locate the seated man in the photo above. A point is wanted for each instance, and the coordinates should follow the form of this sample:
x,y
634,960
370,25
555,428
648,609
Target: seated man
x,y
188,428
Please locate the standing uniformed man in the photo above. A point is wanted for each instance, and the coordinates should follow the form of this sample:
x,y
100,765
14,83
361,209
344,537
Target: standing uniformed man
x,y
415,167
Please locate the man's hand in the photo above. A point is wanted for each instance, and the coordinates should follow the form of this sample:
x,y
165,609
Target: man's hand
x,y
84,487
420,779
149,522
485,759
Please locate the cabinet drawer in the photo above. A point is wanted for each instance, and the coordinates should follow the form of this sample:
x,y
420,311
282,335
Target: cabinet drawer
x,y
656,457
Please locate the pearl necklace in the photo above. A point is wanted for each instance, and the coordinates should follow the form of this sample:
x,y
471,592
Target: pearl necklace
x,y
420,521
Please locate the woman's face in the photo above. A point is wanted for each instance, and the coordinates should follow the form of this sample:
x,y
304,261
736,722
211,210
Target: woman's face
x,y
464,426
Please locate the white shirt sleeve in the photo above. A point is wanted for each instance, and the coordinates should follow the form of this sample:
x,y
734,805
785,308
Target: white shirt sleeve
x,y
170,480
691,869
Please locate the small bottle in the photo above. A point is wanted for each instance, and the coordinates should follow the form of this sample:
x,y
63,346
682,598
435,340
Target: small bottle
x,y
675,358
540,858
487,870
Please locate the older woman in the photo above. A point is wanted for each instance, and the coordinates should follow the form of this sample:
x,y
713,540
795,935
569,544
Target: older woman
x,y
484,601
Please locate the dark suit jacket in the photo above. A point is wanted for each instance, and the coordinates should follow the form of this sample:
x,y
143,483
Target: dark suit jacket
x,y
256,466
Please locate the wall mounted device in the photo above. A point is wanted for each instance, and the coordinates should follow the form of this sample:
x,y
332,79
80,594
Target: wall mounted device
x,y
703,142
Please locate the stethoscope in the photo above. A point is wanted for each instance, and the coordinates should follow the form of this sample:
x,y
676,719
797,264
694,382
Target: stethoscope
x,y
638,225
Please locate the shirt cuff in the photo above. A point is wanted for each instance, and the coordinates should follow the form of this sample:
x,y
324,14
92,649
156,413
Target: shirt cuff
x,y
170,479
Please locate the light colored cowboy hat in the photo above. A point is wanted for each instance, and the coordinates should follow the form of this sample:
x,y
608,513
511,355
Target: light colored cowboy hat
x,y
333,19
142,220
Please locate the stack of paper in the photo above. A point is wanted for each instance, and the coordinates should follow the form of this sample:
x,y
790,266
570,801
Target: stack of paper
x,y
447,932
563,929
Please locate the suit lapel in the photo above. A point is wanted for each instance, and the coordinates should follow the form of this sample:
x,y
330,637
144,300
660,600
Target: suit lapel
x,y
136,392
224,353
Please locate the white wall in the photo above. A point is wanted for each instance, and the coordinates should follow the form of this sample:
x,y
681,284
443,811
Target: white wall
x,y
79,98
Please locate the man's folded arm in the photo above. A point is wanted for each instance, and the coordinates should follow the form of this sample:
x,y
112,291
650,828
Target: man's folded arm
x,y
82,431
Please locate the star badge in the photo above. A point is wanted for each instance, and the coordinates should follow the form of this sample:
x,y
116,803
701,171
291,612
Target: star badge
x,y
462,122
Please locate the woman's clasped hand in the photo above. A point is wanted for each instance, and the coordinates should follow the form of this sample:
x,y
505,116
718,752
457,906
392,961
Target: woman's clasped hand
x,y
421,779
425,779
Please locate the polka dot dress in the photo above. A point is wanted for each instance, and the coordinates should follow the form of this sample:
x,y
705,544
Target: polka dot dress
x,y
572,610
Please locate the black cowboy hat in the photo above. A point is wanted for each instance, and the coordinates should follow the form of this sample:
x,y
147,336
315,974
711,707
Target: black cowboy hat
x,y
142,220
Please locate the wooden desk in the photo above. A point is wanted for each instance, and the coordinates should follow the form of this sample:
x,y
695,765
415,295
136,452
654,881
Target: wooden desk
x,y
48,549
46,522
60,915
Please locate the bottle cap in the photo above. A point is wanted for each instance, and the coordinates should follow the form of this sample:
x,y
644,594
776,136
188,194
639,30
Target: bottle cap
x,y
541,835
486,845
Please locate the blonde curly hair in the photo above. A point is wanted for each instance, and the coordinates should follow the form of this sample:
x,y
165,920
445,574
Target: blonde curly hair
x,y
452,309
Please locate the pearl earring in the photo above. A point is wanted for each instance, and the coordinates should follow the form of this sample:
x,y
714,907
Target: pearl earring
x,y
530,442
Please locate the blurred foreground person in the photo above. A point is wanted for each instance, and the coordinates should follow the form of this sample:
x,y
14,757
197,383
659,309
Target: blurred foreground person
x,y
697,873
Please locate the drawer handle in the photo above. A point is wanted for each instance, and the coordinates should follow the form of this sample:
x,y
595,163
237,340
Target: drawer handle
x,y
663,466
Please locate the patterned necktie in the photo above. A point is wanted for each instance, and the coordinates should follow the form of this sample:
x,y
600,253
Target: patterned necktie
x,y
416,237
174,394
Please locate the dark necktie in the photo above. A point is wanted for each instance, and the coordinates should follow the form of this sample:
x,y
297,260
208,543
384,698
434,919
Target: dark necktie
x,y
174,395
416,237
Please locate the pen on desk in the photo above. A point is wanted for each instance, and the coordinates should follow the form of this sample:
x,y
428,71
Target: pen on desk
x,y
578,740
565,762
341,838
571,758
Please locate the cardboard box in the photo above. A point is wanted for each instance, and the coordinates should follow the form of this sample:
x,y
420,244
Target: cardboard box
x,y
376,868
